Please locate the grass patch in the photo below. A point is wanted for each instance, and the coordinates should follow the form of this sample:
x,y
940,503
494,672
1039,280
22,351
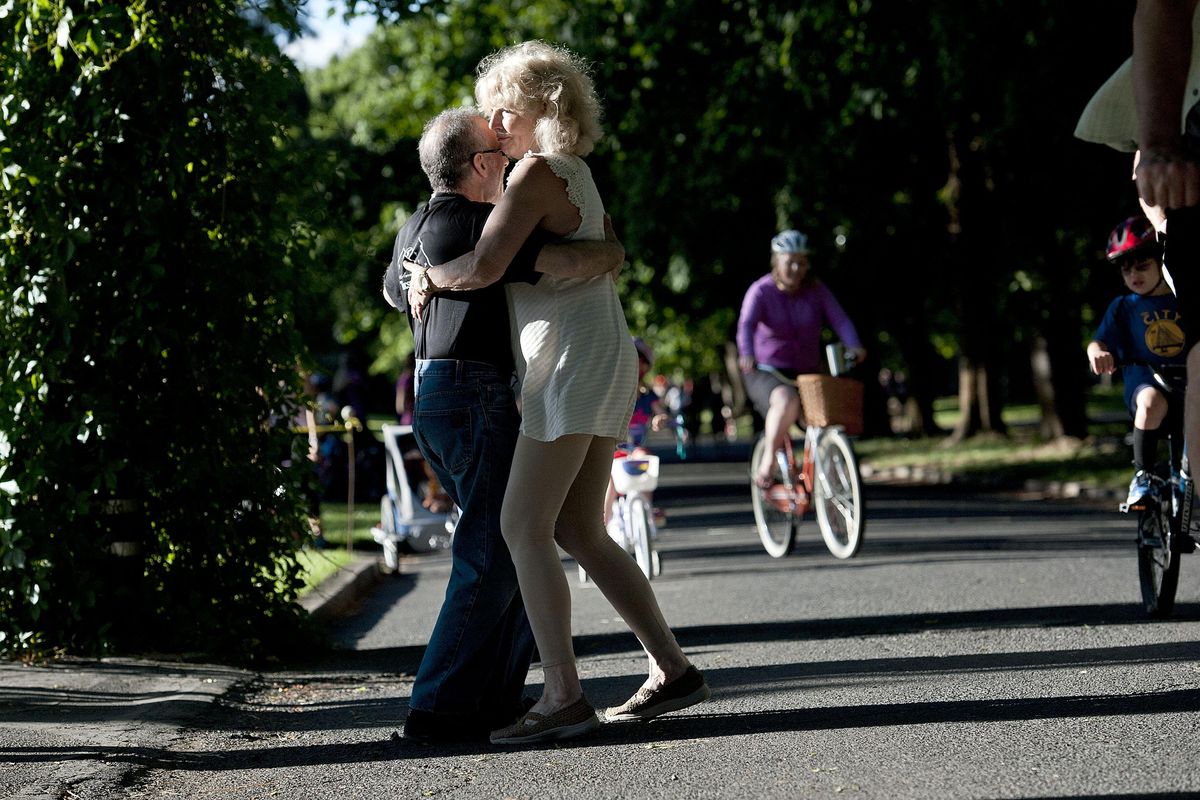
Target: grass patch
x,y
1102,460
319,565
1102,403
334,518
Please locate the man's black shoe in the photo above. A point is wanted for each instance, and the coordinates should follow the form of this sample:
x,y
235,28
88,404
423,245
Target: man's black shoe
x,y
432,727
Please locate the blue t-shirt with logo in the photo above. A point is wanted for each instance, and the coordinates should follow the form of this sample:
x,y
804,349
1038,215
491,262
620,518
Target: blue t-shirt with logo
x,y
1137,328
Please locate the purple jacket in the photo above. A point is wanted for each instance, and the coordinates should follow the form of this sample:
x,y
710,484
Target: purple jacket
x,y
785,331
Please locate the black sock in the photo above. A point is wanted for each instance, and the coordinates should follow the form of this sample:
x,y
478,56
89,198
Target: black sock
x,y
1145,448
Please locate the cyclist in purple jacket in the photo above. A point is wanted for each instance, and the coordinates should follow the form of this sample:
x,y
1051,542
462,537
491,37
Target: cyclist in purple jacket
x,y
780,328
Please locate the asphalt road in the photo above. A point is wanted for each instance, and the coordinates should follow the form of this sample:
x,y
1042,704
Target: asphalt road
x,y
977,647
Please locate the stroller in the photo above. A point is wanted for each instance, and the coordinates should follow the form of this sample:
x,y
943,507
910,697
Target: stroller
x,y
406,524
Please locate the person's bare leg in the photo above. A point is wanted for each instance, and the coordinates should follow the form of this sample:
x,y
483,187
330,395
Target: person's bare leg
x,y
782,414
542,474
1151,409
580,531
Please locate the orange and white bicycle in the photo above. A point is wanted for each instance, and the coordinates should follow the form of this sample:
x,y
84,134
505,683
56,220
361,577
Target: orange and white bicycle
x,y
825,477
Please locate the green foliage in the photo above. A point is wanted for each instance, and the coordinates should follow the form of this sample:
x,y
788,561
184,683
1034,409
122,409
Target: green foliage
x,y
910,141
159,201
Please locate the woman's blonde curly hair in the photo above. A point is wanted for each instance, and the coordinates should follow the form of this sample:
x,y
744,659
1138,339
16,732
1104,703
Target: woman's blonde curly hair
x,y
548,82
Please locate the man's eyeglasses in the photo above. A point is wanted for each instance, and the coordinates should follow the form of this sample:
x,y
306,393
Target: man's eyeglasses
x,y
490,150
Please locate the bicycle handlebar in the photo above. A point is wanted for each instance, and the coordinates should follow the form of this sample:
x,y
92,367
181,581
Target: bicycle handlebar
x,y
767,368
1171,377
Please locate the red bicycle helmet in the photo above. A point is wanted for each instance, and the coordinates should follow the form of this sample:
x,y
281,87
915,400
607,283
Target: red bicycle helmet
x,y
1134,235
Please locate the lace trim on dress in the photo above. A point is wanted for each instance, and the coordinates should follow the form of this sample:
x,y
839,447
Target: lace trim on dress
x,y
569,168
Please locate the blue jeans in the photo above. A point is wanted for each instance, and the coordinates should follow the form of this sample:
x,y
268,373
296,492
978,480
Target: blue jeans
x,y
465,422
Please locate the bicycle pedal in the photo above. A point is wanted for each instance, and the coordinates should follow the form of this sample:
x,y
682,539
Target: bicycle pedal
x,y
1125,508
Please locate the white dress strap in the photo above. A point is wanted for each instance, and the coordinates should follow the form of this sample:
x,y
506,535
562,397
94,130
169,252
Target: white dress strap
x,y
581,191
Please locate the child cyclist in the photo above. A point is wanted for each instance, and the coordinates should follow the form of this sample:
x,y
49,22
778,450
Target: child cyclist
x,y
1142,326
648,414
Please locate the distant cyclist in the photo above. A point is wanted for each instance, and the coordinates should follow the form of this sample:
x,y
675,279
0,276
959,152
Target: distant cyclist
x,y
649,414
1142,326
780,327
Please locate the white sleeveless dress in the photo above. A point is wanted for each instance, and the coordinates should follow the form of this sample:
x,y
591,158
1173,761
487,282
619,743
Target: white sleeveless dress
x,y
575,358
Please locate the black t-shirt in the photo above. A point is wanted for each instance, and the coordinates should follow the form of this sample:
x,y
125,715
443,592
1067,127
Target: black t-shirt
x,y
470,325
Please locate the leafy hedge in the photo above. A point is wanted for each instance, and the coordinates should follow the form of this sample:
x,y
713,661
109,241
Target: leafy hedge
x,y
154,181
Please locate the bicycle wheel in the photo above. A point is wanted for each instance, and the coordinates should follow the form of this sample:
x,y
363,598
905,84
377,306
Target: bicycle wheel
x,y
639,534
773,514
1158,566
839,496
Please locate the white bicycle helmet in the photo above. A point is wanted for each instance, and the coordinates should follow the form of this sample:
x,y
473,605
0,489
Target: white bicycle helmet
x,y
789,241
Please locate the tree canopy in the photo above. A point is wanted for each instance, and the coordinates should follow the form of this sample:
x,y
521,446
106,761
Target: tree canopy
x,y
927,150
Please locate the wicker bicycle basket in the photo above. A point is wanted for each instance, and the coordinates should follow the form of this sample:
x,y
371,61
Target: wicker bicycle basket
x,y
832,401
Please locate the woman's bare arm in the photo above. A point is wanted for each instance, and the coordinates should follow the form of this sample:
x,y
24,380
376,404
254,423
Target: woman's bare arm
x,y
577,259
534,195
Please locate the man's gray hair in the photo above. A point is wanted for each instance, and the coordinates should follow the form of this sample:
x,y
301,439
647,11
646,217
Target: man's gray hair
x,y
447,146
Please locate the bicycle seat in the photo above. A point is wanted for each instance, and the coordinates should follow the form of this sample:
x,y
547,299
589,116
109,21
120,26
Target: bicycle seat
x,y
634,466
635,473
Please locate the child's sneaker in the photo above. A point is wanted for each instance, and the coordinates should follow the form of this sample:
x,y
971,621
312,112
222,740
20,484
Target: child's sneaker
x,y
1139,487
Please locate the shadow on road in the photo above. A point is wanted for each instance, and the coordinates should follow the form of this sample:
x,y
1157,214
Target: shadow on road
x,y
892,503
893,624
351,668
877,715
663,731
759,680
406,659
691,558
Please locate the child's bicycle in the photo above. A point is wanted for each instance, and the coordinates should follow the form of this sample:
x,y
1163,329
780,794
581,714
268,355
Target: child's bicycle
x,y
1163,530
826,476
632,526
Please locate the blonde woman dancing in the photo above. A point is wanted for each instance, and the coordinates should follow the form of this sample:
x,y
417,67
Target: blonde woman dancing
x,y
578,371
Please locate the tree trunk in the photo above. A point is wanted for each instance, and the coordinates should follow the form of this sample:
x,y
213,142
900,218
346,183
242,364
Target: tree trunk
x,y
1070,388
977,401
1051,426
972,226
1060,329
923,379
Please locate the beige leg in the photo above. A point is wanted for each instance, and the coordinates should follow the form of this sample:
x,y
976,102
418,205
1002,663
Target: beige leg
x,y
781,416
542,474
581,533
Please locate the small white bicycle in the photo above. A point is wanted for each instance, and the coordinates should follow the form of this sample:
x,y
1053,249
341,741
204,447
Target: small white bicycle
x,y
632,525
